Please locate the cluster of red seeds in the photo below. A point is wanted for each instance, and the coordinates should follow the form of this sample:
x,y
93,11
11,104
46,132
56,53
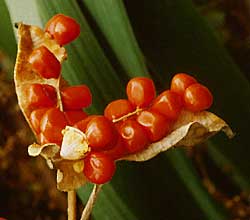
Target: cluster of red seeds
x,y
127,126
46,119
130,125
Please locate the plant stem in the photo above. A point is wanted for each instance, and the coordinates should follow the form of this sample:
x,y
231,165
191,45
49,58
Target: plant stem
x,y
91,201
137,110
72,205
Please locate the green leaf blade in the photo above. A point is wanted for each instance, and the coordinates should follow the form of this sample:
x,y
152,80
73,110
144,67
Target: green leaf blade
x,y
188,44
111,18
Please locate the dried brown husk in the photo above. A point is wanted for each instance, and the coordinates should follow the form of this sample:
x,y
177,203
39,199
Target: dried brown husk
x,y
190,129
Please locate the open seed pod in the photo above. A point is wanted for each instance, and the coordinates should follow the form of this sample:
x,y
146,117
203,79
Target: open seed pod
x,y
189,130
30,38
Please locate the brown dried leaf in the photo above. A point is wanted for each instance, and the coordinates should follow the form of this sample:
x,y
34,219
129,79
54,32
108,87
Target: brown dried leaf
x,y
190,129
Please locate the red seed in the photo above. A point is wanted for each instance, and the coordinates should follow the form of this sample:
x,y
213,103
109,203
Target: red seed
x,y
169,104
41,96
118,151
82,125
73,117
140,91
45,63
198,98
63,29
35,118
43,140
76,97
156,125
117,109
98,167
134,135
101,133
180,82
52,124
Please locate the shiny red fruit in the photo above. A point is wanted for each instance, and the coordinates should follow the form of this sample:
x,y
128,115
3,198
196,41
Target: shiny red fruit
x,y
35,118
52,124
63,29
101,133
117,109
180,82
140,91
134,135
198,98
118,151
156,125
82,125
45,63
169,104
76,97
41,96
98,167
43,140
73,117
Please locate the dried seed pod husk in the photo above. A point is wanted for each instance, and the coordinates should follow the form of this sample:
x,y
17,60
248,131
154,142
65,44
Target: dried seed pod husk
x,y
74,144
70,175
189,130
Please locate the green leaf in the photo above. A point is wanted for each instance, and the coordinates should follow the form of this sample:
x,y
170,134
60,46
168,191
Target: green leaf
x,y
111,18
186,172
183,42
7,39
117,209
233,172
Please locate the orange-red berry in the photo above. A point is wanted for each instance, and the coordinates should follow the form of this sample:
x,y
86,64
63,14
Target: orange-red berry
x,y
134,135
101,133
82,125
98,167
73,117
169,104
198,98
45,63
140,91
43,140
76,97
35,118
156,125
41,96
117,109
52,124
118,151
63,29
180,82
